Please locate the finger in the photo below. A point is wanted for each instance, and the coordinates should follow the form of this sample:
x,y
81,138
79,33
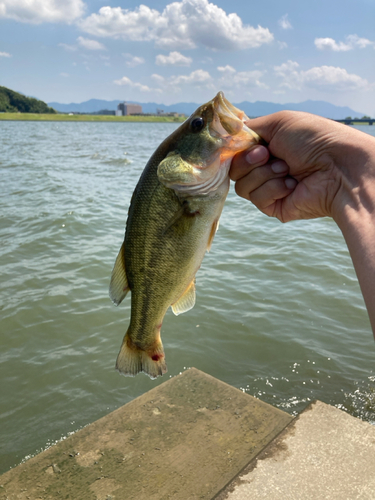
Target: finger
x,y
257,155
271,191
265,193
245,162
260,175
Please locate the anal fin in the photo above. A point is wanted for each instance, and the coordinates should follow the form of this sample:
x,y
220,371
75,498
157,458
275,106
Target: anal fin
x,y
186,301
119,287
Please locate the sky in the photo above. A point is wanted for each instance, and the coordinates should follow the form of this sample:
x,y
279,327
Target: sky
x,y
187,50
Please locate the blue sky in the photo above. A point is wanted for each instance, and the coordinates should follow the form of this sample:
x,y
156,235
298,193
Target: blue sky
x,y
187,50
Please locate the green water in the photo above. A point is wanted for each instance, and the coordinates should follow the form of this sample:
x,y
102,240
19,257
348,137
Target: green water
x,y
279,312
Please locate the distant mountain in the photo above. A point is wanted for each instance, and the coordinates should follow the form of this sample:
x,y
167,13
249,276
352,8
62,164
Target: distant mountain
x,y
95,105
321,108
91,106
14,102
257,108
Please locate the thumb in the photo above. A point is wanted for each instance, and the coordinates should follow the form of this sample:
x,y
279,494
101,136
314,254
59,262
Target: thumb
x,y
267,126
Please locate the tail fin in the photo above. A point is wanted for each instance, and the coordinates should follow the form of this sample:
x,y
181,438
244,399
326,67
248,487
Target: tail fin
x,y
132,360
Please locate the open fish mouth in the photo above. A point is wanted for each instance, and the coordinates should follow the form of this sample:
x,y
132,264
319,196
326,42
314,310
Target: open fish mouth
x,y
229,121
206,170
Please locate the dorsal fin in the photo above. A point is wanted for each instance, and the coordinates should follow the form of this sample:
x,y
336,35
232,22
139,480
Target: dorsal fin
x,y
186,301
119,287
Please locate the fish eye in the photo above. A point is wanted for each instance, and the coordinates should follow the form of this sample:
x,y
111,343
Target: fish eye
x,y
197,124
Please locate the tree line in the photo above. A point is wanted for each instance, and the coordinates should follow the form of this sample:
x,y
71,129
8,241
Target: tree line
x,y
14,102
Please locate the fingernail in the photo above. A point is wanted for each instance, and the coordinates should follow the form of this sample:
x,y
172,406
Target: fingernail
x,y
279,167
290,183
257,154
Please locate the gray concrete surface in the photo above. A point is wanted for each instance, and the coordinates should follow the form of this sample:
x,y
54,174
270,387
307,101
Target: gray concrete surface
x,y
323,454
195,437
185,439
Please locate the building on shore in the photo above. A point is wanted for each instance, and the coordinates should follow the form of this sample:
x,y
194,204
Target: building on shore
x,y
160,112
126,109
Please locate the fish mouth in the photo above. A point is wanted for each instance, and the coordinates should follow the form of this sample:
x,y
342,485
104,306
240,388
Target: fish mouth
x,y
231,135
229,121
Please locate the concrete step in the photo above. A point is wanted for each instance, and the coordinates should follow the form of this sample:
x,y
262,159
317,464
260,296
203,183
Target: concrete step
x,y
323,454
186,439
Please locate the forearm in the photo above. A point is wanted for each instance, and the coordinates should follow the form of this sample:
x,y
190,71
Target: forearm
x,y
354,212
360,238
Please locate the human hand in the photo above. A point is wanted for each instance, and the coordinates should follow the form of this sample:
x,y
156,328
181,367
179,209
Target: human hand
x,y
303,179
318,167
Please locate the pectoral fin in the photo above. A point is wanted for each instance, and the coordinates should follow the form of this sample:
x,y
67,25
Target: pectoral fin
x,y
119,287
214,228
177,216
186,301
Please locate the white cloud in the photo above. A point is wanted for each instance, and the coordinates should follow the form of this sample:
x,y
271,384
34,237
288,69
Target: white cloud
x,y
182,25
284,22
197,77
249,79
65,75
282,45
335,78
70,48
133,61
168,87
289,73
173,59
322,77
352,42
226,69
359,42
90,44
242,79
5,54
137,25
330,44
40,11
158,78
135,85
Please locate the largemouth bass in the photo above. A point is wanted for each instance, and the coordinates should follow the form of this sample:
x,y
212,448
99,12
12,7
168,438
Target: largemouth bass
x,y
173,217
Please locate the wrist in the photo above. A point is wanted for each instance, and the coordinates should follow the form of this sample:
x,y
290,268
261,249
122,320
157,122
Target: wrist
x,y
354,201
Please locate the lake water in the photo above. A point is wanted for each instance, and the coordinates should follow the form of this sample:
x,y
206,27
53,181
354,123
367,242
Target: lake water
x,y
279,313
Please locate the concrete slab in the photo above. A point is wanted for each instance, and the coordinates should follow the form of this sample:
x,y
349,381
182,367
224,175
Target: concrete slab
x,y
323,454
185,439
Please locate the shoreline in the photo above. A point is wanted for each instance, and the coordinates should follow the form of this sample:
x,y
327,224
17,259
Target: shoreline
x,y
61,117
89,118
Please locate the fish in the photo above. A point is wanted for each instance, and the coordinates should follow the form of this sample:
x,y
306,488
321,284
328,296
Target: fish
x,y
172,219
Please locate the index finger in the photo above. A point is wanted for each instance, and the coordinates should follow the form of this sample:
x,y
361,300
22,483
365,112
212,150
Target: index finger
x,y
247,160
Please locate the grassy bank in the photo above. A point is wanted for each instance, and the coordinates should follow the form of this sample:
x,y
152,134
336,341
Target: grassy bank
x,y
87,118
